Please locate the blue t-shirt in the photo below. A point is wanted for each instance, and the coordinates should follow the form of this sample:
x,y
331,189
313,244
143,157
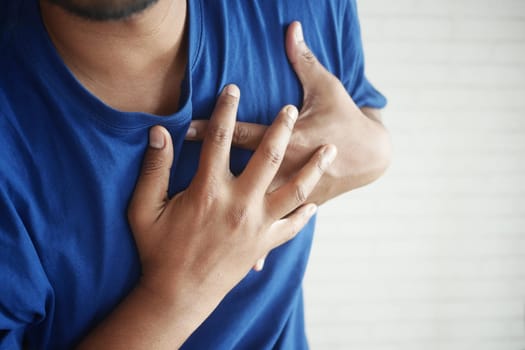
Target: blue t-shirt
x,y
69,163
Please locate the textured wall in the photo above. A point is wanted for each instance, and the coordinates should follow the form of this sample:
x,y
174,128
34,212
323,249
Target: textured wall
x,y
433,255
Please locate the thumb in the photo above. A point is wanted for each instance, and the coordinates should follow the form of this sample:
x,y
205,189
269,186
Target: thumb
x,y
308,69
151,190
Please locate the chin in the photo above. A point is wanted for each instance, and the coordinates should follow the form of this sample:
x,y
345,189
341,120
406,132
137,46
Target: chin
x,y
102,10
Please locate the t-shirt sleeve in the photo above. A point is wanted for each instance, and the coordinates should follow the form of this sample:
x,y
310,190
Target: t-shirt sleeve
x,y
24,287
353,78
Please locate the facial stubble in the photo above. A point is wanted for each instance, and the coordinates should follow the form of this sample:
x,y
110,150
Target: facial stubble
x,y
104,10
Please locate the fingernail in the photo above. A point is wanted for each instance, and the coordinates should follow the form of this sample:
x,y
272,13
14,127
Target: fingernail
x,y
192,132
232,90
328,155
156,138
260,264
299,33
292,112
312,208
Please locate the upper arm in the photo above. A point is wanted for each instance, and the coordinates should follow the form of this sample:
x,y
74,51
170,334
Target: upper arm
x,y
364,94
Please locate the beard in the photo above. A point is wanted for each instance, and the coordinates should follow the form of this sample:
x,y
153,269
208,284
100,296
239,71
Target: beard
x,y
104,10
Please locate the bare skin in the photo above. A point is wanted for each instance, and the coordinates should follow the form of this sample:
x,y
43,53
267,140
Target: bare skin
x,y
195,247
138,65
177,292
328,115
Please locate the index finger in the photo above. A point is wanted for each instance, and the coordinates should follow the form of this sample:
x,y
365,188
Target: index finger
x,y
245,135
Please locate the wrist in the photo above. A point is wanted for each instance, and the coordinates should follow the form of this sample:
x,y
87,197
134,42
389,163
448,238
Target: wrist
x,y
182,309
362,158
179,295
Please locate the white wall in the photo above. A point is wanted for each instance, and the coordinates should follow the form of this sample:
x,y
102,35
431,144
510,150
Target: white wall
x,y
433,255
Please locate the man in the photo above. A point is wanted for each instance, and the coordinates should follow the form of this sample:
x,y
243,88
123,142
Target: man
x,y
82,85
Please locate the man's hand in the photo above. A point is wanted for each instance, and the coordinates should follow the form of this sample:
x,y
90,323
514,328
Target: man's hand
x,y
195,247
328,115
210,234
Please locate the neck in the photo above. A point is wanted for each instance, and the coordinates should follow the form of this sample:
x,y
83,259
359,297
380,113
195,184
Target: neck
x,y
136,64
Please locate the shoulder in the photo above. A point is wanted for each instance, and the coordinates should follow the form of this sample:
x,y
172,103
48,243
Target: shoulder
x,y
263,10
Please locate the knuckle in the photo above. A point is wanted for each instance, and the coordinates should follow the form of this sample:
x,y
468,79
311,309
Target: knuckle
x,y
299,192
322,163
308,56
288,121
205,194
321,166
209,191
203,204
152,165
241,134
218,134
209,197
272,155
